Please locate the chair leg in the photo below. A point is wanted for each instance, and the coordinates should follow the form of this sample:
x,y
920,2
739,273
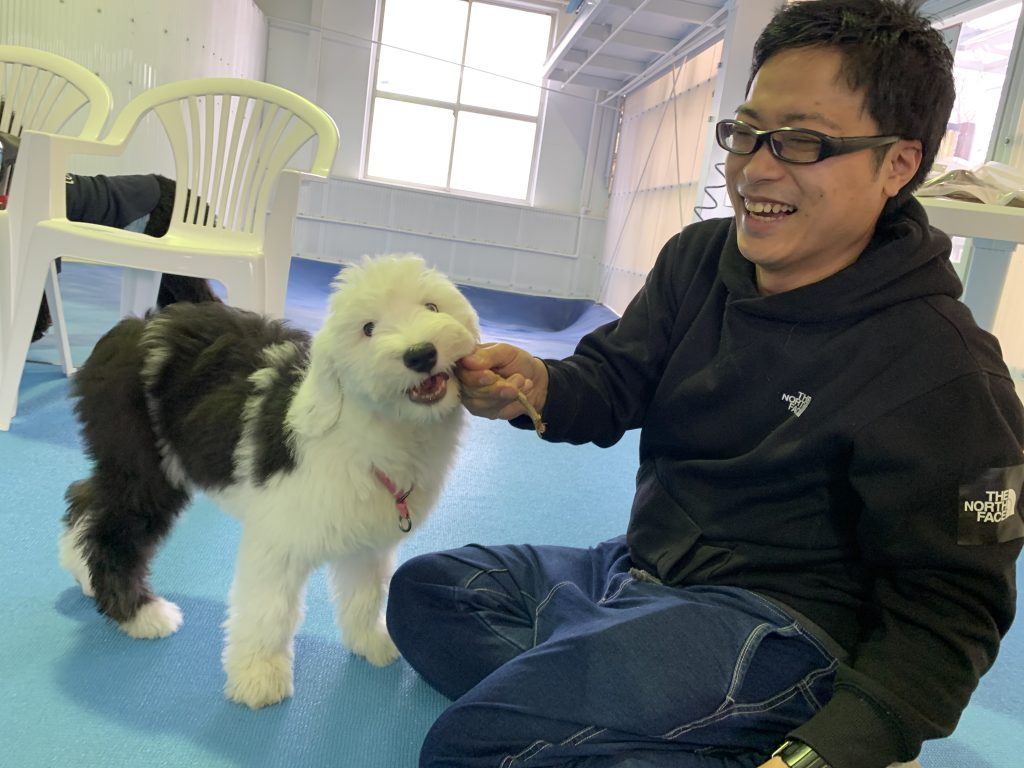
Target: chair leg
x,y
26,308
278,244
56,303
247,293
139,289
276,281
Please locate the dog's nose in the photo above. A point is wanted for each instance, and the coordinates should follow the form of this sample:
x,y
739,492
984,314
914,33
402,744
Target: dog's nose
x,y
420,357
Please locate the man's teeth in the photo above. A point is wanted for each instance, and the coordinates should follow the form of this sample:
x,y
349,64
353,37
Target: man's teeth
x,y
773,208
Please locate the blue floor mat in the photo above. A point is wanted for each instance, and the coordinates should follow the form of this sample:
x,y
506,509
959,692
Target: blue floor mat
x,y
74,691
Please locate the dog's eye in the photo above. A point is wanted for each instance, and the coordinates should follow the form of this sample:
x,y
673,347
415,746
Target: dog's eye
x,y
368,329
432,307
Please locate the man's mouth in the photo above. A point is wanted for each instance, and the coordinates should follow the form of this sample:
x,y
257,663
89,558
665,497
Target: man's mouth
x,y
430,390
769,210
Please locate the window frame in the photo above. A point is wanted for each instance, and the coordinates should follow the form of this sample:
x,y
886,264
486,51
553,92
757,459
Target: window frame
x,y
372,94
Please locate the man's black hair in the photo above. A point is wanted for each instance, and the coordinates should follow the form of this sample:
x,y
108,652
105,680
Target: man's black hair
x,y
890,51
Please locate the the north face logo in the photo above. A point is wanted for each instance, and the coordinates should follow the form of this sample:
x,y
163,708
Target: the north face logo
x,y
995,507
797,403
988,510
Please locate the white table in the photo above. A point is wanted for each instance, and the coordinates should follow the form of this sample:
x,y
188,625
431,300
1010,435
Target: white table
x,y
997,230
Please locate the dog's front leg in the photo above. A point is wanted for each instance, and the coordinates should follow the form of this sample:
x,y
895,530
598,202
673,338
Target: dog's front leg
x,y
265,608
360,589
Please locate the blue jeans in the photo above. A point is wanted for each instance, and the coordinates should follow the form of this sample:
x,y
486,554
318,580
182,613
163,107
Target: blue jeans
x,y
558,656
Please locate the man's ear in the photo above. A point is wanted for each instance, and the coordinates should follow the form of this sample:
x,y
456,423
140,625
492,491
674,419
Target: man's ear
x,y
901,163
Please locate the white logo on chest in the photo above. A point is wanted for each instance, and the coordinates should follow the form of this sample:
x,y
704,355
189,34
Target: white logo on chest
x,y
797,403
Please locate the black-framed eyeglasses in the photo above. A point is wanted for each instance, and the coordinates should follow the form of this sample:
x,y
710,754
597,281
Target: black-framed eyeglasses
x,y
792,145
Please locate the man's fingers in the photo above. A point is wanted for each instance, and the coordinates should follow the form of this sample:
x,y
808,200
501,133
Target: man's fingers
x,y
487,356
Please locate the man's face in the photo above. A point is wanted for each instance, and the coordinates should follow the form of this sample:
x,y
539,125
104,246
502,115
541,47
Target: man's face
x,y
828,209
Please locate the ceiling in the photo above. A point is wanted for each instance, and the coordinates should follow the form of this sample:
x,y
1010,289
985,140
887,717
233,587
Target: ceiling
x,y
617,45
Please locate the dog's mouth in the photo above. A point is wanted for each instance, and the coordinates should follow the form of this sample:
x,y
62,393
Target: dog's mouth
x,y
430,390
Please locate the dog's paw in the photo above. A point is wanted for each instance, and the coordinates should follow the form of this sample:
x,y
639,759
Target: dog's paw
x,y
376,647
157,618
259,681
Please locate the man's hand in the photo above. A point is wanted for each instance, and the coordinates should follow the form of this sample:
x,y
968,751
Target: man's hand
x,y
775,762
493,376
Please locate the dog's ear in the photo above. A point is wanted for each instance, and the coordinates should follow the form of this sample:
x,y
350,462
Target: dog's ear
x,y
316,407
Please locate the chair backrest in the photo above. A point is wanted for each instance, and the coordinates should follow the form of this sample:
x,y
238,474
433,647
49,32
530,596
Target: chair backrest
x,y
230,139
43,91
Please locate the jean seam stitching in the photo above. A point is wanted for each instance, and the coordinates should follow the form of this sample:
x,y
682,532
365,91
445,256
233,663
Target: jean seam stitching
x,y
729,710
542,604
580,737
537,747
483,572
468,585
618,591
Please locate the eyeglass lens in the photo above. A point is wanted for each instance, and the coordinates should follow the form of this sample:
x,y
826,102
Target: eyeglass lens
x,y
795,146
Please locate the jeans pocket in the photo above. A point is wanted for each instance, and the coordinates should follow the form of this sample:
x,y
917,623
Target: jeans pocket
x,y
781,678
771,663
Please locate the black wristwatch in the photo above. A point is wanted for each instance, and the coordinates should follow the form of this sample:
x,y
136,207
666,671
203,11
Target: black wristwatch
x,y
796,754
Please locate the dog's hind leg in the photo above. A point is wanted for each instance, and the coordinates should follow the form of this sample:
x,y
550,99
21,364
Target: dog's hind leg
x,y
72,558
112,528
116,518
359,583
265,608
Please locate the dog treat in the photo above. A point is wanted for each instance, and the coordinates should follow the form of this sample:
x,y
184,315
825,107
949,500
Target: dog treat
x,y
539,425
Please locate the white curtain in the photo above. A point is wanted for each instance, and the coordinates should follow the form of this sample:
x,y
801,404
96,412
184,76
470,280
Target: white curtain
x,y
658,165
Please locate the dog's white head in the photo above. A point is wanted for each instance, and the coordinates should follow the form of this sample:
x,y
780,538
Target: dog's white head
x,y
392,337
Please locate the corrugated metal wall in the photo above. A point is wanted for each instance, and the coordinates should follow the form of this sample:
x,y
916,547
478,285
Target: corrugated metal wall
x,y
135,44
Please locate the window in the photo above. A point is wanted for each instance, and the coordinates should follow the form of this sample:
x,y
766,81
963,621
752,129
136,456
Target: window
x,y
457,95
982,42
980,63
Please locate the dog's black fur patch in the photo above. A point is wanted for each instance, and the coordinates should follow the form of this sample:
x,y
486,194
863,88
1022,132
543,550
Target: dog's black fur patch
x,y
207,353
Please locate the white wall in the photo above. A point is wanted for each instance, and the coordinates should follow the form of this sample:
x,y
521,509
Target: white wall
x,y
135,44
322,49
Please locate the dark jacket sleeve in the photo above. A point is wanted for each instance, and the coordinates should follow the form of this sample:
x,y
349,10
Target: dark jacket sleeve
x,y
113,201
603,389
943,579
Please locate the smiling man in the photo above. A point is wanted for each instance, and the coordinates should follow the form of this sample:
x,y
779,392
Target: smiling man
x,y
819,562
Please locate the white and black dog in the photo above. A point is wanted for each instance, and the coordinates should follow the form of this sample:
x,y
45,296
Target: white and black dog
x,y
327,451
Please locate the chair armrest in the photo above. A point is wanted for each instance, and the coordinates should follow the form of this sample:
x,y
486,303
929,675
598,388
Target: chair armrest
x,y
41,194
305,176
69,145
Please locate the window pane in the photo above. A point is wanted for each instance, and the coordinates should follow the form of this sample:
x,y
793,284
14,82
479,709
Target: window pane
x,y
505,55
979,66
422,48
493,155
410,142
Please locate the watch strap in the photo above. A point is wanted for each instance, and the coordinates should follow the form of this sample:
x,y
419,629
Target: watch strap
x,y
796,754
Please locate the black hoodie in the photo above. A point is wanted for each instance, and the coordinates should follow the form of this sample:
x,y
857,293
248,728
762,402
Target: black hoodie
x,y
851,449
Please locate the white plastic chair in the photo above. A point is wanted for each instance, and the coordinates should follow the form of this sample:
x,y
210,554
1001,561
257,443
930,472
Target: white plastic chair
x,y
41,91
230,139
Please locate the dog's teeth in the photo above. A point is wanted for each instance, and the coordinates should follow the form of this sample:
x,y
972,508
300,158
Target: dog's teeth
x,y
430,390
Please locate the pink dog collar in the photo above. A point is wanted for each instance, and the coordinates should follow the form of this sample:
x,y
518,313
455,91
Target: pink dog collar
x,y
404,522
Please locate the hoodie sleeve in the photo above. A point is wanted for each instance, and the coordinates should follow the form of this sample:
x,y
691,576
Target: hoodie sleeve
x,y
940,477
603,389
114,201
